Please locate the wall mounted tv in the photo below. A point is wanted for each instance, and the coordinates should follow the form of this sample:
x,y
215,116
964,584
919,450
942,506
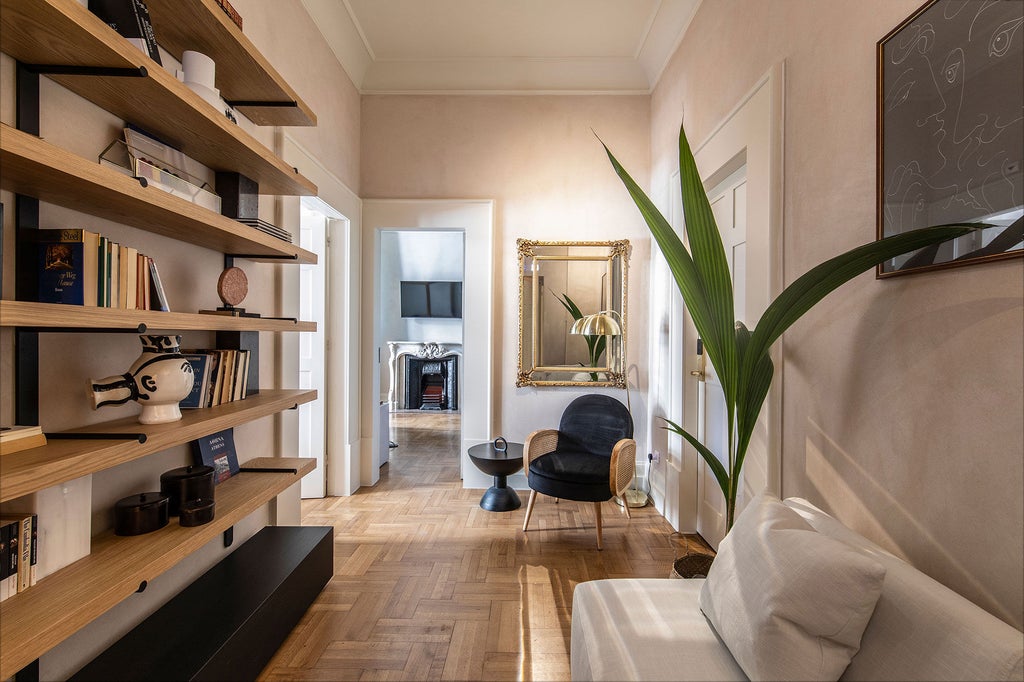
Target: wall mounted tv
x,y
432,299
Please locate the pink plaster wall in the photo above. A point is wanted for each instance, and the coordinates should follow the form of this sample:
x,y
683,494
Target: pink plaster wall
x,y
537,157
902,398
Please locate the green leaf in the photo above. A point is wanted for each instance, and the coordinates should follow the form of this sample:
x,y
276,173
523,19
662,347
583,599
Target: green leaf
x,y
713,267
819,281
716,466
678,258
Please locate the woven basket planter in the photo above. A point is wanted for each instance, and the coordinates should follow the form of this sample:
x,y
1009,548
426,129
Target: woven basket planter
x,y
693,565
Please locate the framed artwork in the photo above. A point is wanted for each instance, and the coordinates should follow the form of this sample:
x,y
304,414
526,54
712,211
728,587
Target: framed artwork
x,y
951,130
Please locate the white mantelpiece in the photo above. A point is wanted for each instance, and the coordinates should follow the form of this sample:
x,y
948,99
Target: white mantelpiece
x,y
421,349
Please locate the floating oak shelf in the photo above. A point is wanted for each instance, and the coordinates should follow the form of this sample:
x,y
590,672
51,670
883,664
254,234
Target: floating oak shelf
x,y
65,33
243,73
43,616
35,167
62,460
57,316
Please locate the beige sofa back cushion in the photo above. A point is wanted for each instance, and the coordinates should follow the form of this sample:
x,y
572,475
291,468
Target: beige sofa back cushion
x,y
922,630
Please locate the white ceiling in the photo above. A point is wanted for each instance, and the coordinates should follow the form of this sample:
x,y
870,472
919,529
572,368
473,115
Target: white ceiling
x,y
503,46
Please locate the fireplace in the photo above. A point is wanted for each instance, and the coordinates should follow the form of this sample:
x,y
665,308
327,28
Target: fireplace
x,y
431,383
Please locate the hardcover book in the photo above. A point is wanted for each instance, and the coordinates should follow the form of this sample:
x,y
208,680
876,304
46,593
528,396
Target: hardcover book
x,y
217,450
158,299
130,18
201,366
68,266
23,524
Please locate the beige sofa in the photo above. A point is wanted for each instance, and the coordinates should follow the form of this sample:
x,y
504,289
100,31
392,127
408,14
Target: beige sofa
x,y
919,630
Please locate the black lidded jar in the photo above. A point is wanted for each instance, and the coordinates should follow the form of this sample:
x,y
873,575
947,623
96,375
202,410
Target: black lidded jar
x,y
194,482
142,513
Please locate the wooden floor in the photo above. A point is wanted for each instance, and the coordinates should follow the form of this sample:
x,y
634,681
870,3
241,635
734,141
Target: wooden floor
x,y
429,586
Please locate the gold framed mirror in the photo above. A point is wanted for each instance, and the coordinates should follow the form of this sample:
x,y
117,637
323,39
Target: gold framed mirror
x,y
572,313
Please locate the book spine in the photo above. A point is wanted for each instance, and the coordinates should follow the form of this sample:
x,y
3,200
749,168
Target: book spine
x,y
14,553
34,557
25,555
5,556
146,24
159,297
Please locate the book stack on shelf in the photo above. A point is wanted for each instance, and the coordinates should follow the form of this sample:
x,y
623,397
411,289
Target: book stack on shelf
x,y
18,553
131,19
17,438
221,376
267,228
80,267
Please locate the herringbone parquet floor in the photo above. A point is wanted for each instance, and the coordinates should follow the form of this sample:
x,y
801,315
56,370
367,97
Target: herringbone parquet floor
x,y
429,586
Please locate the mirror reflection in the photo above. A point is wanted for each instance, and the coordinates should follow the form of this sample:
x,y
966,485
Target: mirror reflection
x,y
572,317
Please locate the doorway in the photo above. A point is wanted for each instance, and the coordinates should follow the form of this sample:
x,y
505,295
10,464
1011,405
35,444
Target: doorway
x,y
473,220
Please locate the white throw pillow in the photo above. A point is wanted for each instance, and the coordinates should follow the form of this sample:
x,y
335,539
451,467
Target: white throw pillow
x,y
790,603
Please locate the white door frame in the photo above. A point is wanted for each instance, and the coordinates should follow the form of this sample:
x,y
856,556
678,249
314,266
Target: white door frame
x,y
755,126
342,395
476,218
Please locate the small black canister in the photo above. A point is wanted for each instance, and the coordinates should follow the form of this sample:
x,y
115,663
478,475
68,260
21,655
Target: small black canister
x,y
196,512
187,483
142,513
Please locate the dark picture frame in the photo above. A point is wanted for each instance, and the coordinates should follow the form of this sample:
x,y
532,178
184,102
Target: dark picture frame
x,y
950,131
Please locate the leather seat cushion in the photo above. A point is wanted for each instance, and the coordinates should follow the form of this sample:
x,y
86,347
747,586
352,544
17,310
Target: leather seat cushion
x,y
572,475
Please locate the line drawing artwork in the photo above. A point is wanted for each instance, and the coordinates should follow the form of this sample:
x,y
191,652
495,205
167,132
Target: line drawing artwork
x,y
951,118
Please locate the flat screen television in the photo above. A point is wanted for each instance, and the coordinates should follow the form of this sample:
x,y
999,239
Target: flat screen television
x,y
432,299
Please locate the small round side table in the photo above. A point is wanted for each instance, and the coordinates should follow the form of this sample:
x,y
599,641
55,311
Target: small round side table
x,y
499,497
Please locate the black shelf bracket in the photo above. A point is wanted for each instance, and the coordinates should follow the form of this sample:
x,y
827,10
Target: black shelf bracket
x,y
69,70
270,470
229,537
140,329
235,103
138,437
258,256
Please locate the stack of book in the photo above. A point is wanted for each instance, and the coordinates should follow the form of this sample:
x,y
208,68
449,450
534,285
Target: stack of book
x,y
17,438
80,267
268,228
221,376
19,535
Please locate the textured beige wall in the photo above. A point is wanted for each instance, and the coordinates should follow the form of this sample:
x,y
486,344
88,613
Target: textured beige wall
x,y
537,157
902,398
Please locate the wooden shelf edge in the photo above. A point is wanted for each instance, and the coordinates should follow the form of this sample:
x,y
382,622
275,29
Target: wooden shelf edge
x,y
47,172
64,32
60,316
35,621
27,471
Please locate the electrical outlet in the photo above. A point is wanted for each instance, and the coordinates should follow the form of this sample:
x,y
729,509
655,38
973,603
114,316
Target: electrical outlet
x,y
654,457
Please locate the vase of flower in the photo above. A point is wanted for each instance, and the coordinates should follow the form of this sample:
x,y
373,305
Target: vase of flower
x,y
157,380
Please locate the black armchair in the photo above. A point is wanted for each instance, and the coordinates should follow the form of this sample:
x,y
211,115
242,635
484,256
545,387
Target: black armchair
x,y
590,458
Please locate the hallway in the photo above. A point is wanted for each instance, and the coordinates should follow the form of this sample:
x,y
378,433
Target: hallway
x,y
430,586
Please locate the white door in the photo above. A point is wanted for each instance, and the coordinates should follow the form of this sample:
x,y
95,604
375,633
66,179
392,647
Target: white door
x,y
729,205
313,230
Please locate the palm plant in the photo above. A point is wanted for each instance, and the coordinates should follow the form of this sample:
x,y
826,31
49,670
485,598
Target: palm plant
x,y
741,356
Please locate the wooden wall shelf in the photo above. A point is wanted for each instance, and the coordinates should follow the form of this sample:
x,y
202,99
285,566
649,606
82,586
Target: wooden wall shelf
x,y
57,316
62,460
42,617
35,167
243,73
65,33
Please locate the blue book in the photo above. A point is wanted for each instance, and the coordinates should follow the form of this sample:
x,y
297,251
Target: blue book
x,y
201,366
217,450
66,266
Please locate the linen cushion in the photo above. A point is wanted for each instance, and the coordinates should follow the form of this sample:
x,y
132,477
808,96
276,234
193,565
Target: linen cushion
x,y
790,603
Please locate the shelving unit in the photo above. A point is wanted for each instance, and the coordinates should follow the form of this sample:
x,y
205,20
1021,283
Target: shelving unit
x,y
37,620
42,170
63,41
65,33
55,316
63,460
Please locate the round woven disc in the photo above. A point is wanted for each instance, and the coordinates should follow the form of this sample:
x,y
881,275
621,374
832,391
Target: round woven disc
x,y
232,286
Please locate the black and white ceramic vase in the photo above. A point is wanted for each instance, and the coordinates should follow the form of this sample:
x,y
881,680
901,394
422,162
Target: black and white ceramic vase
x,y
158,380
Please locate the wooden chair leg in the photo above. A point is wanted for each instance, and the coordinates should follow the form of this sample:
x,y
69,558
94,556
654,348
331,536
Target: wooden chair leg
x,y
625,505
597,514
529,509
